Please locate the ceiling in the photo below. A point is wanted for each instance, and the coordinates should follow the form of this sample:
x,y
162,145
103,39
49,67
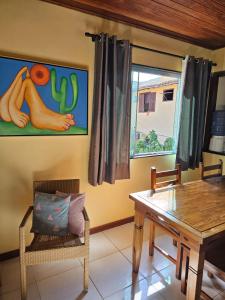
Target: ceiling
x,y
200,22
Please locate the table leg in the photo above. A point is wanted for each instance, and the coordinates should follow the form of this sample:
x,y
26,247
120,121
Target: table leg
x,y
151,238
195,273
179,261
137,239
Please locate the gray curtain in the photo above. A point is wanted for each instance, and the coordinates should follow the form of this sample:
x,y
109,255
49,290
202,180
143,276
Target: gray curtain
x,y
109,157
193,112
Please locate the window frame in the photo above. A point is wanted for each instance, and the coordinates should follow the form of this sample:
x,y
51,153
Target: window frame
x,y
141,68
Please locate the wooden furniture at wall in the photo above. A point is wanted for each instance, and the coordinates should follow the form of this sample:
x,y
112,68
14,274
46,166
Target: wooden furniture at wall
x,y
214,101
46,248
187,210
215,170
154,186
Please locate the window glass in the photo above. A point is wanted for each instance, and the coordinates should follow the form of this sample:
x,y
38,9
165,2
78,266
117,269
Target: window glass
x,y
154,113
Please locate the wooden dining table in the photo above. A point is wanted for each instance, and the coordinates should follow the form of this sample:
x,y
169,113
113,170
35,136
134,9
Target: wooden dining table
x,y
194,211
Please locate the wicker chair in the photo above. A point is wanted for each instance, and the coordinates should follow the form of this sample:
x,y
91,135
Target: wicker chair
x,y
45,248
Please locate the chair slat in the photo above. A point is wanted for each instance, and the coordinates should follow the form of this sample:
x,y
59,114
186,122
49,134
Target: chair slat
x,y
218,167
154,175
166,173
213,167
166,183
51,186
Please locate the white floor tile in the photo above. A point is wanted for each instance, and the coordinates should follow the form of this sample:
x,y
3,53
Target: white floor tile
x,y
170,286
220,296
212,286
166,243
142,290
67,285
10,275
111,274
149,264
32,294
43,271
100,246
121,236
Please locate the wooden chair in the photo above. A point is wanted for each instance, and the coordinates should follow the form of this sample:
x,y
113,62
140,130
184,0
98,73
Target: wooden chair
x,y
155,185
214,264
218,168
154,175
46,248
214,260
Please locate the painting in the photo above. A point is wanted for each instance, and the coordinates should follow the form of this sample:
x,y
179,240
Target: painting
x,y
42,99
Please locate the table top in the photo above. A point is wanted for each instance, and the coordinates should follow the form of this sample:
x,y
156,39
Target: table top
x,y
199,204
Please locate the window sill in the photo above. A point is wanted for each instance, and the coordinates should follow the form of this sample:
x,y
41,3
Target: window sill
x,y
152,154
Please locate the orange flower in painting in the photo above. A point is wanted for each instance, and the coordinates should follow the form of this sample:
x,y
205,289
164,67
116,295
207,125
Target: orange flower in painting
x,y
39,74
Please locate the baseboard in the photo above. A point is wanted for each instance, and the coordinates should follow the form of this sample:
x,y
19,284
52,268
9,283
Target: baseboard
x,y
111,225
15,253
9,254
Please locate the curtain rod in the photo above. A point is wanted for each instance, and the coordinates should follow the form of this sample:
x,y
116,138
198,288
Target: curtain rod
x,y
97,36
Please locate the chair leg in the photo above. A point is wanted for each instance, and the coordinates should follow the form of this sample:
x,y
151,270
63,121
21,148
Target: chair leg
x,y
151,238
86,273
179,261
184,273
23,280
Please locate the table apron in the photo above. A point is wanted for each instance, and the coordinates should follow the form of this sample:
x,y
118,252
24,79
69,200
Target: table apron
x,y
178,233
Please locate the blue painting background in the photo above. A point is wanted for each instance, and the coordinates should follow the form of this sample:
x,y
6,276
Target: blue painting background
x,y
10,67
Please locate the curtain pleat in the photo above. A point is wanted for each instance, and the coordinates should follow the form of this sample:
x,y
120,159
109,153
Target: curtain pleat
x,y
193,112
110,142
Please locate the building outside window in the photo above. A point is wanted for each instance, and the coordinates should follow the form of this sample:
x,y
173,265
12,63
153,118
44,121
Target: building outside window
x,y
155,111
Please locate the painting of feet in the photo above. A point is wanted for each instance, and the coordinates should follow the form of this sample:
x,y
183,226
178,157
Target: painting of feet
x,y
42,99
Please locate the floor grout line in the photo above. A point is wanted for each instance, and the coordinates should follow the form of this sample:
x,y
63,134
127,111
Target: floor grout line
x,y
61,272
95,287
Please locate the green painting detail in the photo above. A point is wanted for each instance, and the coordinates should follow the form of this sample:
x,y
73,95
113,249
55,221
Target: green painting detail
x,y
8,128
61,95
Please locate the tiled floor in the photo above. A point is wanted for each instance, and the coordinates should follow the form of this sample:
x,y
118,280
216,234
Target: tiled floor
x,y
110,273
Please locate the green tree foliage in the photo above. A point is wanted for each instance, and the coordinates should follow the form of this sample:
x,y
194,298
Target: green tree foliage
x,y
168,144
151,144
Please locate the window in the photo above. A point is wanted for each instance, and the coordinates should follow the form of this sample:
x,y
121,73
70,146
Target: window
x,y
147,102
155,111
168,95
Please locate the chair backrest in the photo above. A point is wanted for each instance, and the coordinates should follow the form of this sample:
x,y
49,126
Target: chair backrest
x,y
62,185
218,170
154,175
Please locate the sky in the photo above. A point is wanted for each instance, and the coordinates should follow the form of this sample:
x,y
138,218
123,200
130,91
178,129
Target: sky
x,y
144,76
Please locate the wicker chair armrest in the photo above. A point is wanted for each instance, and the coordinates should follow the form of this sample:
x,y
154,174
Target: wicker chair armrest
x,y
86,218
86,227
26,216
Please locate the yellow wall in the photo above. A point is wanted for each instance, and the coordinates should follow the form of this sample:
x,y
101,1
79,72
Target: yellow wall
x,y
38,30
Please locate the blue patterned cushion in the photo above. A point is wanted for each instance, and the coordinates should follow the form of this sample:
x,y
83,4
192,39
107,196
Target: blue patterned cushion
x,y
50,214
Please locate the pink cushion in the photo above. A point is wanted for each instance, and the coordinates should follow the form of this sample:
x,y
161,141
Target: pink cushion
x,y
75,218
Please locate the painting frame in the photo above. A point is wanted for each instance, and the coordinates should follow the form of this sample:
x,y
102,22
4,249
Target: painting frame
x,y
79,128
